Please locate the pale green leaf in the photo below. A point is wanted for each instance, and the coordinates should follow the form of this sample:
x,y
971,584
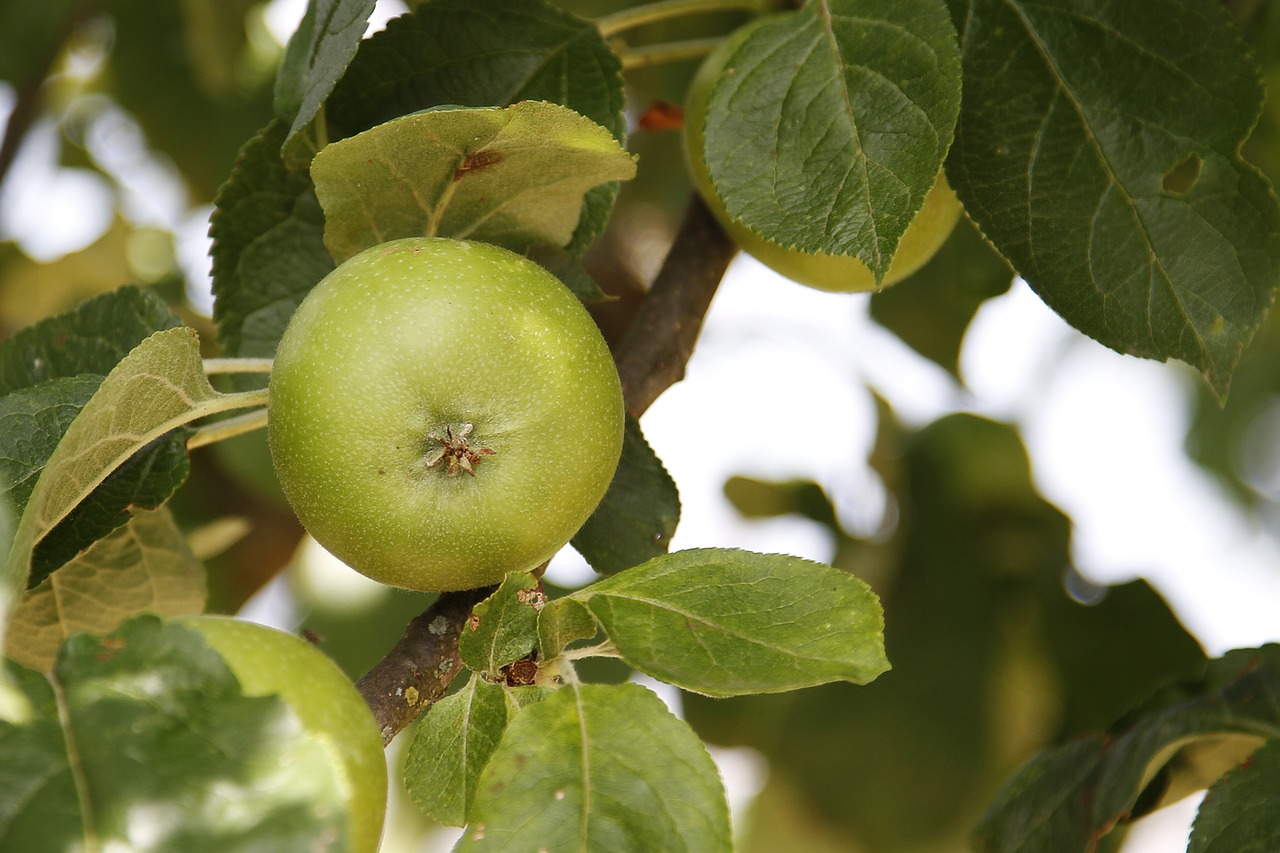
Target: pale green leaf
x,y
144,566
1098,150
830,124
158,387
504,627
452,744
724,622
561,622
594,768
514,176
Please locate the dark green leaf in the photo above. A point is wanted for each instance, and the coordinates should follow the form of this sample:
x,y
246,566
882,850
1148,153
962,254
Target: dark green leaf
x,y
1120,196
461,53
599,767
1066,799
268,247
452,744
514,176
724,622
833,124
56,366
504,627
318,53
1239,814
150,721
90,339
931,310
561,622
638,515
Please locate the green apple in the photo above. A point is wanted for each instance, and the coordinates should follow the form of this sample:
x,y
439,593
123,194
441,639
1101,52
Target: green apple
x,y
839,273
270,662
443,412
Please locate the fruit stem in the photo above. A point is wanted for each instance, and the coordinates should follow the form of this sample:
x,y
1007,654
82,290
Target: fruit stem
x,y
627,19
214,366
657,54
229,428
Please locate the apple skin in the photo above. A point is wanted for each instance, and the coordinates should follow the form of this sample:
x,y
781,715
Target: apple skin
x,y
835,273
270,662
417,336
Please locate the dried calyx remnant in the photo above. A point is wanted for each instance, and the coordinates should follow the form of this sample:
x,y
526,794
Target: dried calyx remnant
x,y
455,454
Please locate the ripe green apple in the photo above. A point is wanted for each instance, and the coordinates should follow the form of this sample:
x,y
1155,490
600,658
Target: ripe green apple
x,y
443,412
839,273
270,662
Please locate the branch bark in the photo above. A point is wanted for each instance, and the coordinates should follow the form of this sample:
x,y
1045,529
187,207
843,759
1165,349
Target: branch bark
x,y
653,355
651,358
419,669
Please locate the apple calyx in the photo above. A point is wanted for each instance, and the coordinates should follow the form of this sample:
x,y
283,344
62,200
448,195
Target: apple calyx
x,y
455,453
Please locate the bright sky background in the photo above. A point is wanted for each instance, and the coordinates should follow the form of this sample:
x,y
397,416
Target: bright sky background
x,y
778,388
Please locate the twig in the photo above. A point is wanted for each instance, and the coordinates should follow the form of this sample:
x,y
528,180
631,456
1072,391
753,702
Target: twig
x,y
419,669
653,354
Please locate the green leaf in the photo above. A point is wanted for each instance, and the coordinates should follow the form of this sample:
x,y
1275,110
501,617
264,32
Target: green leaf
x,y
145,566
458,52
513,176
268,247
932,309
724,622
1121,196
599,767
49,371
561,622
638,515
834,122
318,52
221,771
160,386
1239,813
452,745
90,339
1066,799
504,627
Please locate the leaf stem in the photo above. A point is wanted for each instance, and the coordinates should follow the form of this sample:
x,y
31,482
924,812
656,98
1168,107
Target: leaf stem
x,y
665,10
214,366
658,54
602,650
229,428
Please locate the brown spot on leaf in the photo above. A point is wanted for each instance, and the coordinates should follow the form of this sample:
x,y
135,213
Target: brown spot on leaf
x,y
476,161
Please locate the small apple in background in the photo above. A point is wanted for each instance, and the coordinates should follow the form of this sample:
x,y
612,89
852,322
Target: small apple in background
x,y
270,662
837,273
443,412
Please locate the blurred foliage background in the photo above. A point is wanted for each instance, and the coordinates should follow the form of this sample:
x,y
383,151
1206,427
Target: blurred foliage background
x,y
123,119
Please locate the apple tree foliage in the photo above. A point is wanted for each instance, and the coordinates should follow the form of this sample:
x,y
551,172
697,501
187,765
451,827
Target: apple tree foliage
x,y
1116,156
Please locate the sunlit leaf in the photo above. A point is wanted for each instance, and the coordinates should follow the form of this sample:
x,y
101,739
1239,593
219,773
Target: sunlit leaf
x,y
599,767
144,566
725,622
513,176
452,744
